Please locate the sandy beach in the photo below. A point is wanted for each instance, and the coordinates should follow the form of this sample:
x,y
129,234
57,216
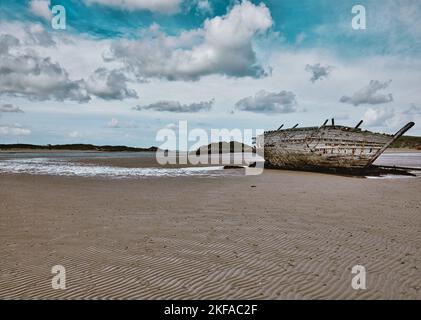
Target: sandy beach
x,y
210,150
279,235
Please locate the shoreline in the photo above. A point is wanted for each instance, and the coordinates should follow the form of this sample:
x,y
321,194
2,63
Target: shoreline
x,y
11,151
402,150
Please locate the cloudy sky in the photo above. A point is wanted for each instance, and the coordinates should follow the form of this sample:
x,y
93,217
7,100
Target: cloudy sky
x,y
123,69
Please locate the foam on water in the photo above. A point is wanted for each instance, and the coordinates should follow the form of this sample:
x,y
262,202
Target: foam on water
x,y
389,176
60,167
67,165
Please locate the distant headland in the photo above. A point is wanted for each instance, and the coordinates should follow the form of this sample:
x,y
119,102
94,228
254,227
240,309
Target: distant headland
x,y
404,142
73,147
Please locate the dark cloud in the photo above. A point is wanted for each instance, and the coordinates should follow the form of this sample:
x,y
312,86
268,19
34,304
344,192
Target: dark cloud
x,y
110,85
369,95
318,71
25,74
269,102
10,108
175,106
6,43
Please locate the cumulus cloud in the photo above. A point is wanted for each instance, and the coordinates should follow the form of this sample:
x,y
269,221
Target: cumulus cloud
x,y
116,124
204,6
318,72
269,102
378,117
25,74
14,130
109,85
6,43
369,94
36,34
177,107
41,8
224,45
10,108
159,6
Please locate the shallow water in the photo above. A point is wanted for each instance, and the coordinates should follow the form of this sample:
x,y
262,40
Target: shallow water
x,y
47,166
66,164
412,160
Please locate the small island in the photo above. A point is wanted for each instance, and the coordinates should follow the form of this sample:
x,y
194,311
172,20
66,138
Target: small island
x,y
225,147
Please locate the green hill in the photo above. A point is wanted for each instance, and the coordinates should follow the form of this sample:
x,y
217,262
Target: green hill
x,y
224,147
75,147
409,142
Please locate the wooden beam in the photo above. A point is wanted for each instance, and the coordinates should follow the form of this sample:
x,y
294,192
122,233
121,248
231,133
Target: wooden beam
x,y
394,138
358,125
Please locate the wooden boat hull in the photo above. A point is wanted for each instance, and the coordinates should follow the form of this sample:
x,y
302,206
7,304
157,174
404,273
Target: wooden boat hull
x,y
326,147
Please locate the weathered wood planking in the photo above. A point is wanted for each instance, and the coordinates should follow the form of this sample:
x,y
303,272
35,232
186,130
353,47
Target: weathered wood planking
x,y
324,147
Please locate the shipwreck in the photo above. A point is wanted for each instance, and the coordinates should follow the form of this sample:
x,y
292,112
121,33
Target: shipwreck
x,y
329,147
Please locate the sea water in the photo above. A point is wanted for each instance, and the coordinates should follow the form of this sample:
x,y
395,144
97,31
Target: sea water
x,y
64,167
66,164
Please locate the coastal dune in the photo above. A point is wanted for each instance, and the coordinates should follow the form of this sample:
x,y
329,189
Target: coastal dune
x,y
279,235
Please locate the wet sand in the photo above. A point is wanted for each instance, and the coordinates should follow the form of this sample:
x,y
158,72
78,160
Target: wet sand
x,y
280,235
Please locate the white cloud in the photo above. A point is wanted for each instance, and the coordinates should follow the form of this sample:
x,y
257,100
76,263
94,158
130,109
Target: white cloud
x,y
41,8
204,6
269,102
75,134
159,6
116,124
399,20
14,130
223,46
369,95
36,34
320,101
378,117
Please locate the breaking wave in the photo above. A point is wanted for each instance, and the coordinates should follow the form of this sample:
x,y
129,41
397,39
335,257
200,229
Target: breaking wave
x,y
44,166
